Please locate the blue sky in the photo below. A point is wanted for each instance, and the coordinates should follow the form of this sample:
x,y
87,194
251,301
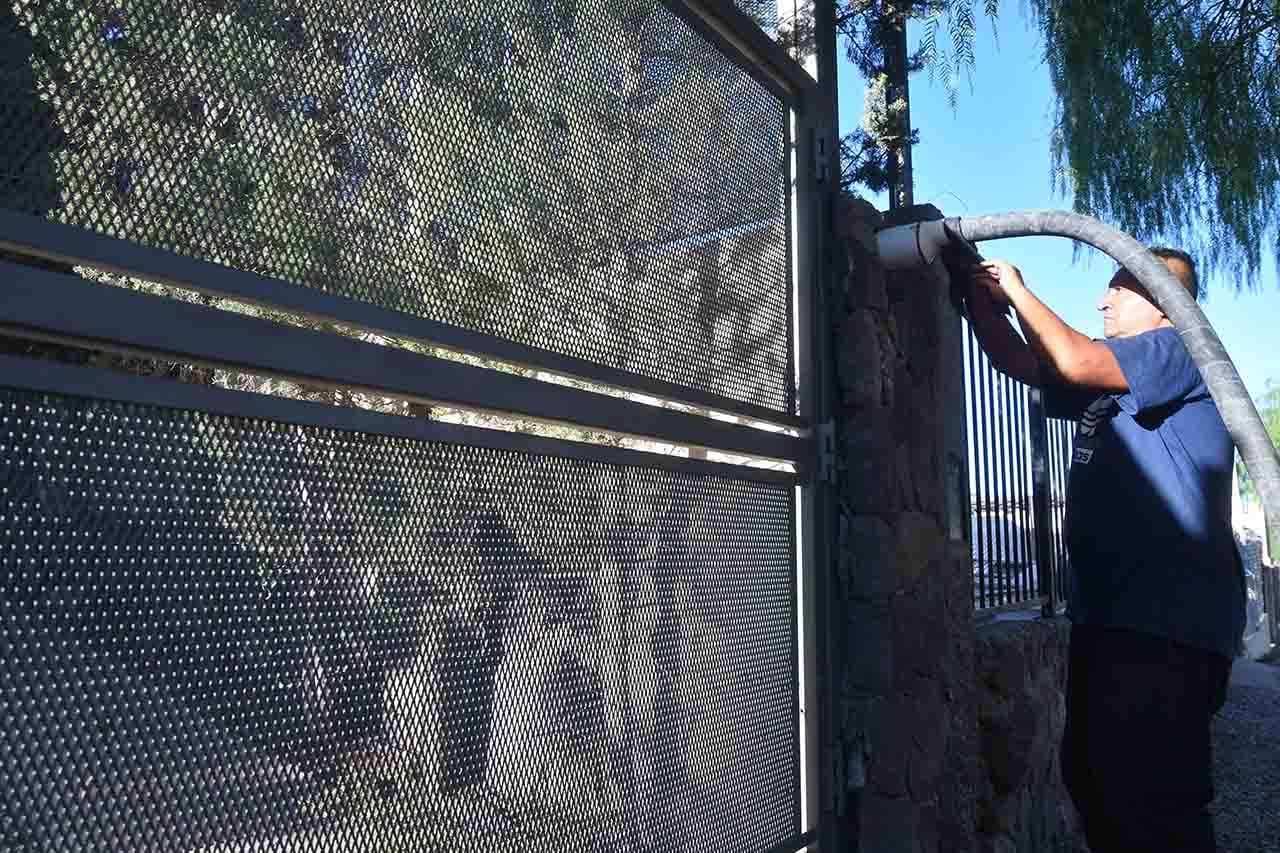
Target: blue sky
x,y
992,155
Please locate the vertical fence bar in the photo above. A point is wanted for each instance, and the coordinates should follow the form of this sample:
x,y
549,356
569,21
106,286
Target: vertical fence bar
x,y
1068,446
1016,435
1017,438
1038,428
1018,572
1271,599
988,435
1008,578
1051,430
1060,456
993,485
975,466
1025,515
1068,442
1029,490
975,503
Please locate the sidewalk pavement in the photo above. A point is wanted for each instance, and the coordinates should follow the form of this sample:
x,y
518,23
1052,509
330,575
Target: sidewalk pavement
x,y
1249,673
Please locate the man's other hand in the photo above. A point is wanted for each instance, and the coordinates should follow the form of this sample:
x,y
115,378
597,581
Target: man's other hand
x,y
985,283
999,278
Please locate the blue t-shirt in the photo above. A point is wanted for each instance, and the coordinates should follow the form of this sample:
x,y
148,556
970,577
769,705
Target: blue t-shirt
x,y
1148,522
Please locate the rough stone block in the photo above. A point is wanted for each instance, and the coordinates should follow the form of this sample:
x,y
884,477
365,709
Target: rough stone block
x,y
864,283
919,636
860,359
928,723
904,488
926,468
888,825
869,647
1010,674
929,831
889,746
869,464
888,369
920,547
904,401
873,547
1007,746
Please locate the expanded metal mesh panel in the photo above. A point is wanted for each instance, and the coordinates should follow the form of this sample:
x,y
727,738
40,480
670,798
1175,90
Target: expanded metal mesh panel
x,y
586,176
228,634
763,12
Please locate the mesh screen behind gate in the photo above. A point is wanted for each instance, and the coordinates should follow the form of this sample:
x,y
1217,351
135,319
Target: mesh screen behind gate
x,y
232,634
590,177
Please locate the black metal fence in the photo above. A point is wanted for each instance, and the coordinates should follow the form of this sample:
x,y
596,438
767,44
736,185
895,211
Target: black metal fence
x,y
1018,465
253,593
1271,600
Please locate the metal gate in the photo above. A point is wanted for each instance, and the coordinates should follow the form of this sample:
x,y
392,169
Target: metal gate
x,y
301,550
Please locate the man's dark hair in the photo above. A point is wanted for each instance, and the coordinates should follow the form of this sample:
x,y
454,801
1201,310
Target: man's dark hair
x,y
1192,281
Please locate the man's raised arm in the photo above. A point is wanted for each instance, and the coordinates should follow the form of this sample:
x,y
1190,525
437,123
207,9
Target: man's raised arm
x,y
1061,353
1008,352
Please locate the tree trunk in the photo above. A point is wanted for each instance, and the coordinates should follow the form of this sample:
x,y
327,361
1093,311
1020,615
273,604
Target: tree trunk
x,y
895,66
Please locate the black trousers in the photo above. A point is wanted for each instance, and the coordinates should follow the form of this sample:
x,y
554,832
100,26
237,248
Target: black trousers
x,y
1136,752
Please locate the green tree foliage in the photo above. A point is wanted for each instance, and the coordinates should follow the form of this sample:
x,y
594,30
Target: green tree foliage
x,y
867,29
1268,404
1269,408
1169,120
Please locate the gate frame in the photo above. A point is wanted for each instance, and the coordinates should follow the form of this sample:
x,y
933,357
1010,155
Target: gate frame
x,y
32,306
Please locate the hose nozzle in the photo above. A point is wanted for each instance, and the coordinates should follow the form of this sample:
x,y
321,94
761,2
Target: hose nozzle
x,y
919,244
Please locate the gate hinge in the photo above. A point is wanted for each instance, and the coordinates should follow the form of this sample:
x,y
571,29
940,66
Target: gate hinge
x,y
823,145
826,438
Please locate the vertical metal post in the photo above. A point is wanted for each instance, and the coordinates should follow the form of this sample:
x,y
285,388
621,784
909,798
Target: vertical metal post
x,y
1055,514
1012,438
975,439
1021,515
817,182
1038,429
1057,491
1003,429
1026,490
1066,442
1028,487
988,457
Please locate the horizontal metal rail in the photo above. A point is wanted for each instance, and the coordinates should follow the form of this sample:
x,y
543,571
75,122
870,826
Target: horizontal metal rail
x,y
737,36
30,235
36,303
794,845
51,377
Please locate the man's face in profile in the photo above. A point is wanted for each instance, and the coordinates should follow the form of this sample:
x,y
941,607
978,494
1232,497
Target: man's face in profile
x,y
1127,309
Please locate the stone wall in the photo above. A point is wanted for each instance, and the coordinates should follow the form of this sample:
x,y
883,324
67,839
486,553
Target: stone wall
x,y
1020,673
934,757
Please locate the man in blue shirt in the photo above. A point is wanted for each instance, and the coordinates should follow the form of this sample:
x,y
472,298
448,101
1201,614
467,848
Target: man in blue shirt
x,y
1157,590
